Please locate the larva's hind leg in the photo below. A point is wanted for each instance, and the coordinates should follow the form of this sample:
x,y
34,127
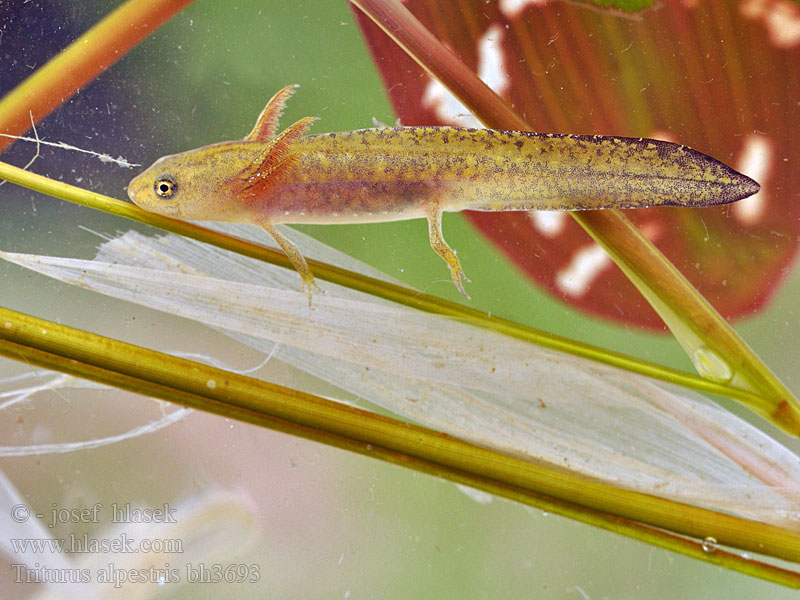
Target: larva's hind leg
x,y
446,252
294,255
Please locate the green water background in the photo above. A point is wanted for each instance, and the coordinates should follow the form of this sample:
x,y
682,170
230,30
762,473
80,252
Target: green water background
x,y
202,78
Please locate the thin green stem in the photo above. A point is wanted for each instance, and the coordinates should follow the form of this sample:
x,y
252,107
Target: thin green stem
x,y
687,313
560,491
108,361
137,369
376,287
702,332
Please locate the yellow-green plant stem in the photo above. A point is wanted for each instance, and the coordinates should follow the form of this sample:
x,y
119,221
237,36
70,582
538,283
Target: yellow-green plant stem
x,y
697,326
376,287
693,321
108,361
687,313
637,515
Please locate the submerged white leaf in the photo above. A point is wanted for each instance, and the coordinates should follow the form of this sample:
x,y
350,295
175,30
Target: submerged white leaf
x,y
485,387
44,381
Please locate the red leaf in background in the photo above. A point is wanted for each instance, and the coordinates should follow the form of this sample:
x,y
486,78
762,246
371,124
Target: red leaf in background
x,y
721,77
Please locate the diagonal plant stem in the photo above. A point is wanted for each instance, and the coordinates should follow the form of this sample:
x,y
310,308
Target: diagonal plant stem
x,y
757,387
82,61
546,487
714,347
395,293
108,361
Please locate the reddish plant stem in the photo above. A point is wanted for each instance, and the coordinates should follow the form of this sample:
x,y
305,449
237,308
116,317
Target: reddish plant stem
x,y
82,61
681,305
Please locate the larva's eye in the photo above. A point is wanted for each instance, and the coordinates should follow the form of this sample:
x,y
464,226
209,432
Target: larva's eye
x,y
165,187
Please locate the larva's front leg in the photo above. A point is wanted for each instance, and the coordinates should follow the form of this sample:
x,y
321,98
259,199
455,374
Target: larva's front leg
x,y
434,215
294,255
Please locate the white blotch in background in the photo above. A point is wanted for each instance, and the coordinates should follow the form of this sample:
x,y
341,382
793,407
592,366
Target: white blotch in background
x,y
664,136
754,161
490,70
780,17
511,9
548,222
587,264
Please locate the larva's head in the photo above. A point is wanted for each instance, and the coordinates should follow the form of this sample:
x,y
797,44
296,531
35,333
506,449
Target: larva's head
x,y
198,184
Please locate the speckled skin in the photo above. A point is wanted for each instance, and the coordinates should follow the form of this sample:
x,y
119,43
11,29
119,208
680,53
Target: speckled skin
x,y
389,174
397,173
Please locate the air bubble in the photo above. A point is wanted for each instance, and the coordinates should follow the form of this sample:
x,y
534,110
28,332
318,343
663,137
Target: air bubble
x,y
711,366
710,545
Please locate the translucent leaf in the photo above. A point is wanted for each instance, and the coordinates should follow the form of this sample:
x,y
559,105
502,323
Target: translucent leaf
x,y
467,381
24,388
